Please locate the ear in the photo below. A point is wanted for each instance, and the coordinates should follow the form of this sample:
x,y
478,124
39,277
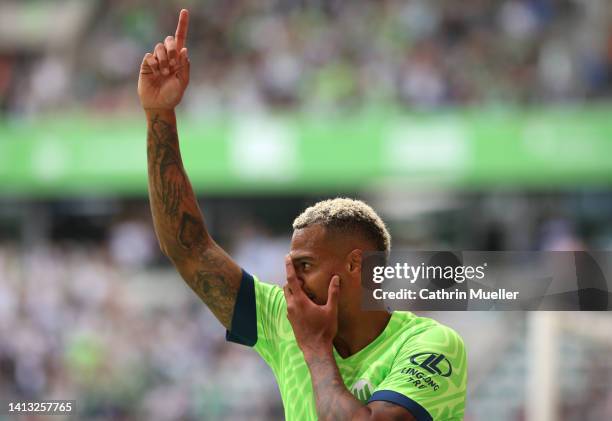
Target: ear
x,y
353,264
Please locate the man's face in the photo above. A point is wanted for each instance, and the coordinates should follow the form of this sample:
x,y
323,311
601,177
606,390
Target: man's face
x,y
316,258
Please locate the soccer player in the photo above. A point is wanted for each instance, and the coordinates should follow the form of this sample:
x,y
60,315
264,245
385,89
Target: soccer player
x,y
332,360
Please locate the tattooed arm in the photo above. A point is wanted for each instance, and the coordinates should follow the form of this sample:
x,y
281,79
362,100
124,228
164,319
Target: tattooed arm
x,y
335,402
179,224
178,221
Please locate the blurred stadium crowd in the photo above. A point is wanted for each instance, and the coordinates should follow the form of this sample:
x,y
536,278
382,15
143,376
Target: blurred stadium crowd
x,y
310,55
72,326
90,310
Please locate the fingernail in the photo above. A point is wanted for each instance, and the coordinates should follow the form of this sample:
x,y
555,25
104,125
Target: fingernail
x,y
337,281
166,72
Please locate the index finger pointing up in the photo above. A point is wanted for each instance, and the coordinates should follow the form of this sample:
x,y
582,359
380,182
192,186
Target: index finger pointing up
x,y
181,29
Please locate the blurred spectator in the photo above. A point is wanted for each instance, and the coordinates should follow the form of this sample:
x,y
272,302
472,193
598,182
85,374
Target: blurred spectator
x,y
132,243
68,329
290,53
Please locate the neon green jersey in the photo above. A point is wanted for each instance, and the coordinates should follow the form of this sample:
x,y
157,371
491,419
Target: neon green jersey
x,y
415,362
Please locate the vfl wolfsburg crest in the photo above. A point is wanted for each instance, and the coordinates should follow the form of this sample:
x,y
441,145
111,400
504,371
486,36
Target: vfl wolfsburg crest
x,y
362,389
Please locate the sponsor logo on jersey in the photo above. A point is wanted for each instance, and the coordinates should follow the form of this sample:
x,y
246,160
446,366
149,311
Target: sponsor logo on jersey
x,y
428,365
432,362
419,379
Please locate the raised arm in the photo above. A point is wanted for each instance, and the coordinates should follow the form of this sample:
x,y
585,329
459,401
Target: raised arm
x,y
178,221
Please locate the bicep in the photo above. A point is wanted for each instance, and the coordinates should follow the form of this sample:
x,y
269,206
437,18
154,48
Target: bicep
x,y
381,410
212,274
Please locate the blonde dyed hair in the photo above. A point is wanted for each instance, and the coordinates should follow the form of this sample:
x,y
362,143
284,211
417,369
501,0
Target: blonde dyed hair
x,y
347,216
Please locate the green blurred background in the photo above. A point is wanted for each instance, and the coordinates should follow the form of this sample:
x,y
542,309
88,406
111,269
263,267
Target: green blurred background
x,y
480,125
290,152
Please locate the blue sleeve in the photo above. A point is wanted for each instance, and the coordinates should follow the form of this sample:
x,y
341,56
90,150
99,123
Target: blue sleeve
x,y
244,321
417,411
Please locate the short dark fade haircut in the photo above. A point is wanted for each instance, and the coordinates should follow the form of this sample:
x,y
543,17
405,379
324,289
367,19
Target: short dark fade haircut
x,y
350,216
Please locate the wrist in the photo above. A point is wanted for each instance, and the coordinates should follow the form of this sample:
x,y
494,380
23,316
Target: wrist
x,y
164,113
318,353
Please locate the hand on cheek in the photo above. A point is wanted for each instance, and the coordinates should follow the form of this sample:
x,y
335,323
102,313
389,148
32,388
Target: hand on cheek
x,y
314,325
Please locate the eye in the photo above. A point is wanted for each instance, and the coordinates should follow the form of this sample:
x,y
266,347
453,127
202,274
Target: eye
x,y
306,265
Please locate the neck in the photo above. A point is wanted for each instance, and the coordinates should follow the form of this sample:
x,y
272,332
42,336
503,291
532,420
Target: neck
x,y
357,331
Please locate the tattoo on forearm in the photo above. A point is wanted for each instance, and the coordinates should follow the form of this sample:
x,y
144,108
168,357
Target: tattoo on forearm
x,y
334,401
180,226
217,293
171,197
214,286
167,168
190,231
